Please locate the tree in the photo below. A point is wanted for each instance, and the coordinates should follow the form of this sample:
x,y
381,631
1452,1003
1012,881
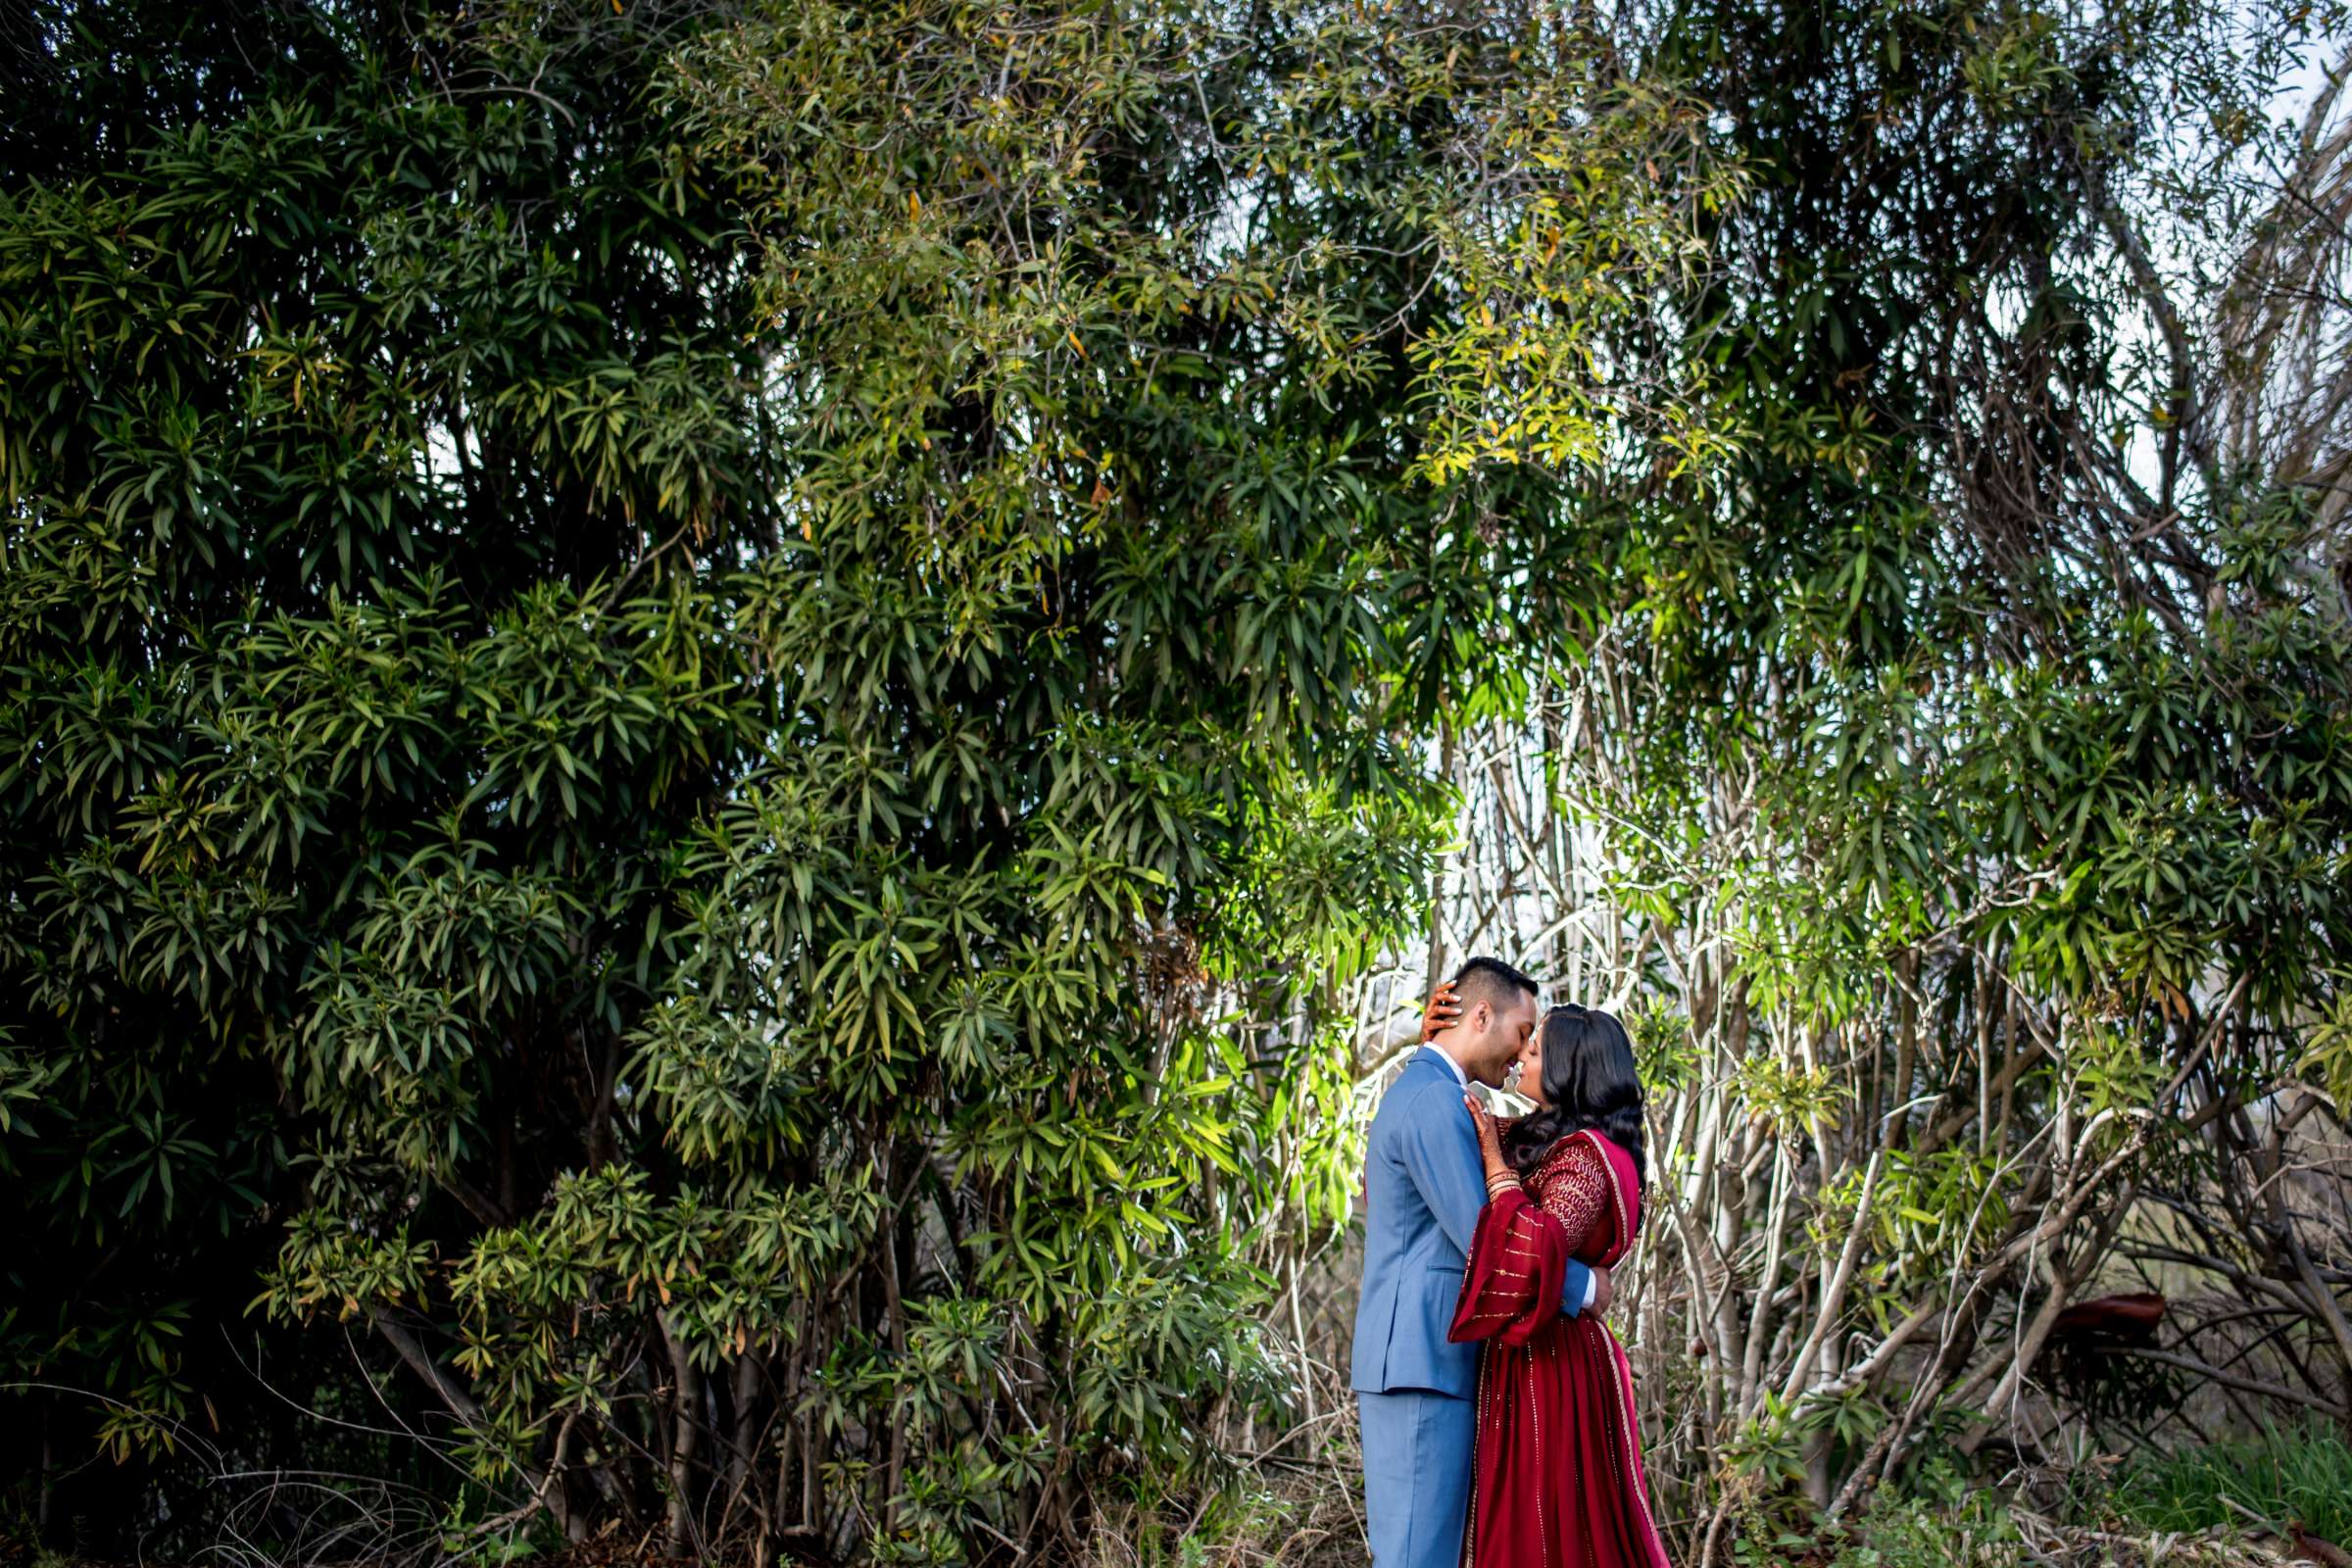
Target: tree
x,y
1954,768
703,706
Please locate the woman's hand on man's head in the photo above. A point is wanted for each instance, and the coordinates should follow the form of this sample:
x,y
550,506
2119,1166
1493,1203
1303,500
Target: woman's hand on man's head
x,y
1438,1013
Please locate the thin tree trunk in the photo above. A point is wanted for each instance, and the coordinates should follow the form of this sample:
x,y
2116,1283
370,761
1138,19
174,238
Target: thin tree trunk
x,y
686,1430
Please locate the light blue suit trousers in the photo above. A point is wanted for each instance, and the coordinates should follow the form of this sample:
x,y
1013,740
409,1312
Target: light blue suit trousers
x,y
1417,1449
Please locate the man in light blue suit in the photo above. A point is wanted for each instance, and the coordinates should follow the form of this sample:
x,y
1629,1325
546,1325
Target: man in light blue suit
x,y
1424,1185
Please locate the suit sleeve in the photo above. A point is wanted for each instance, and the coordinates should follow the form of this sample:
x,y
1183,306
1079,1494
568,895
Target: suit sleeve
x,y
1575,1282
1441,1155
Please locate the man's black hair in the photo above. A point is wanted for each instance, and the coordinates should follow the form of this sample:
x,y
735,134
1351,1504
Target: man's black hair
x,y
1492,981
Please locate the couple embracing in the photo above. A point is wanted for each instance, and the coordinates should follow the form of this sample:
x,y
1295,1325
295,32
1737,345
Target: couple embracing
x,y
1498,1408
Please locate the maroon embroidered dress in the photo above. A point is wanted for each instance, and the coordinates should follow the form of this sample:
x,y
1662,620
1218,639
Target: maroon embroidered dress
x,y
1559,1482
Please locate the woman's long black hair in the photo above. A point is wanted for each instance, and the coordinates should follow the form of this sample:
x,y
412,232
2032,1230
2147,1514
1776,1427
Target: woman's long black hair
x,y
1589,1080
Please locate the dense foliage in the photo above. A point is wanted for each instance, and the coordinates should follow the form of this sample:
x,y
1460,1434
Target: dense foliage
x,y
1960,761
701,704
711,714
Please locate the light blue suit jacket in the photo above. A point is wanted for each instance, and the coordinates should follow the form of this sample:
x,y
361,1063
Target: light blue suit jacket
x,y
1424,1185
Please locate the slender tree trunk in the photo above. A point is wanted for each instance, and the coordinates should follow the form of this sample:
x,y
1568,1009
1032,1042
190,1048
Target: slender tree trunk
x,y
686,1430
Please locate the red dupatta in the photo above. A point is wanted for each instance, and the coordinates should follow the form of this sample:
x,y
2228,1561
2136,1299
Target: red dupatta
x,y
1625,1198
1559,1478
1520,1252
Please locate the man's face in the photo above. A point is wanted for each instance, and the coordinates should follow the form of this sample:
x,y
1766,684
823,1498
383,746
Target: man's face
x,y
1504,1041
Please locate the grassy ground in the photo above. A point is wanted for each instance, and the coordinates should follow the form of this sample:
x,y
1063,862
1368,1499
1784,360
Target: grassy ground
x,y
2285,1497
2292,1477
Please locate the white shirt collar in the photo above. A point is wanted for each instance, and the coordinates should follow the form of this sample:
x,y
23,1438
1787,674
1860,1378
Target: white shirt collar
x,y
1452,1066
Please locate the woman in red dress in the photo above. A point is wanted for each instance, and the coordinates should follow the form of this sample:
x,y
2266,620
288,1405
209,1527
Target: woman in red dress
x,y
1559,1482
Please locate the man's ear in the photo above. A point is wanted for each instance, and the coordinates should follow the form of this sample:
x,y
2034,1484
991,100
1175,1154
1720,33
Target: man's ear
x,y
1482,1017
